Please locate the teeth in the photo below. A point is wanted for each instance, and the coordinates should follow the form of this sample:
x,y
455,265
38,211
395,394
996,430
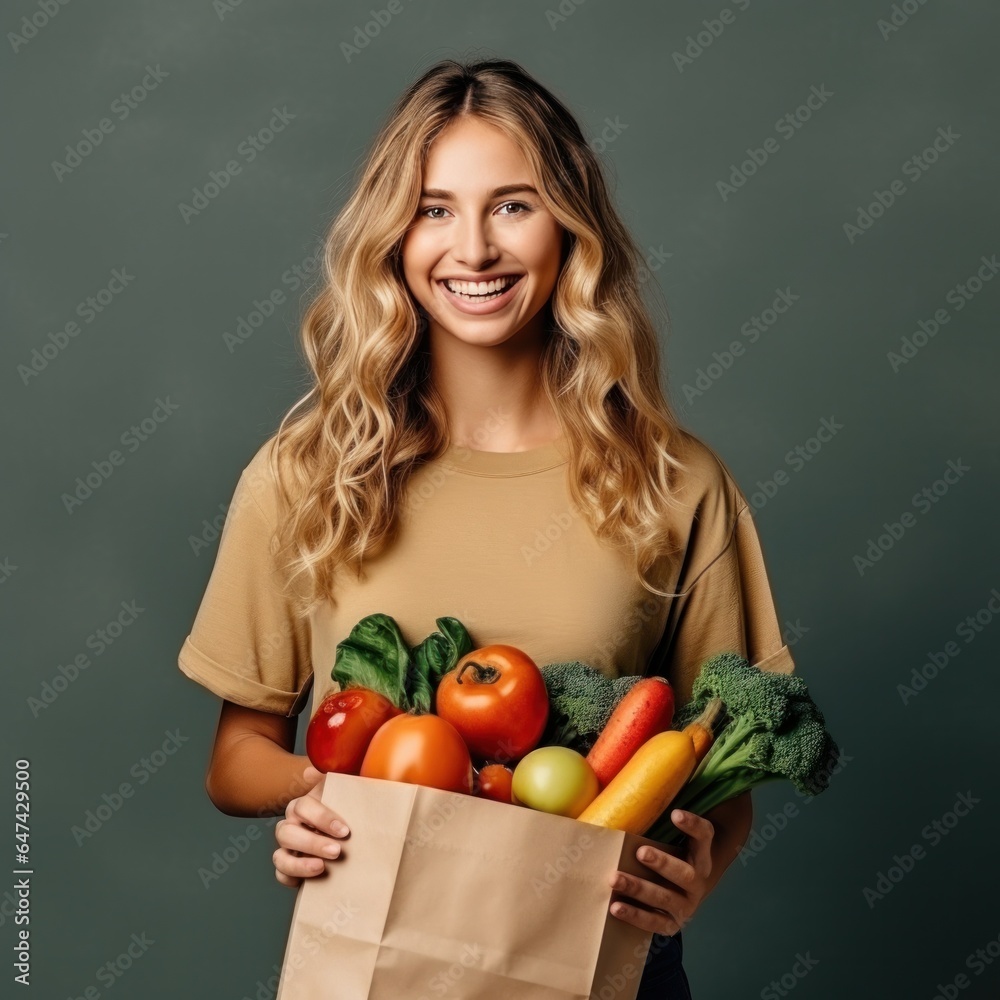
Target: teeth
x,y
480,287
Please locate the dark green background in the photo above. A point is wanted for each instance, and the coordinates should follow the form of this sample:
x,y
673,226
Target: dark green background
x,y
826,357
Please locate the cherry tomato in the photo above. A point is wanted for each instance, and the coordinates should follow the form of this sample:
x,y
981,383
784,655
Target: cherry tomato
x,y
422,750
496,698
493,781
342,727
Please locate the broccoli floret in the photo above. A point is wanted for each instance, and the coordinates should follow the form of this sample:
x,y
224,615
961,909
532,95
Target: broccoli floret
x,y
772,729
581,700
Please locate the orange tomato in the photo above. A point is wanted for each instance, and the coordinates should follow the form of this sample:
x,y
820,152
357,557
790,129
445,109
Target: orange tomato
x,y
421,750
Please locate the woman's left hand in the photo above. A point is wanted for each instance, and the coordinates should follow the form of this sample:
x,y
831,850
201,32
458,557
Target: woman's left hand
x,y
667,910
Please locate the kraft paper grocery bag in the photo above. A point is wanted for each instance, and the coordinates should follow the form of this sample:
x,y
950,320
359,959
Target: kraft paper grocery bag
x,y
439,894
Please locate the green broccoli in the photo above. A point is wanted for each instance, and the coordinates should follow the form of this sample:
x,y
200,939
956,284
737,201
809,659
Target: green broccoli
x,y
581,700
772,730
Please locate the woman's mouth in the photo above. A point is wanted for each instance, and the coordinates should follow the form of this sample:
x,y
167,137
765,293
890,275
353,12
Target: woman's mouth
x,y
480,296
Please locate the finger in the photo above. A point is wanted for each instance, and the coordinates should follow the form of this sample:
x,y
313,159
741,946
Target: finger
x,y
643,891
312,811
295,837
701,831
672,868
658,923
311,775
292,883
290,864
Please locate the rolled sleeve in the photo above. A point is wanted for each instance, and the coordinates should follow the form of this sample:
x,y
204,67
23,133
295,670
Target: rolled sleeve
x,y
247,645
724,599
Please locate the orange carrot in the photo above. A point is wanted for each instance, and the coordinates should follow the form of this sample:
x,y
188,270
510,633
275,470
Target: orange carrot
x,y
645,710
701,730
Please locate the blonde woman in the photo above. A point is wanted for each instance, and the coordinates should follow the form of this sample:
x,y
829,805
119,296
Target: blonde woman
x,y
484,436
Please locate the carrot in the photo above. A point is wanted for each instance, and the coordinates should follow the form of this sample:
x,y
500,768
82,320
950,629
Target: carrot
x,y
701,730
638,794
645,710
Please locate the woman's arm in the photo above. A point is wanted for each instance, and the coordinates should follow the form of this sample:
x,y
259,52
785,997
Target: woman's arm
x,y
253,771
732,820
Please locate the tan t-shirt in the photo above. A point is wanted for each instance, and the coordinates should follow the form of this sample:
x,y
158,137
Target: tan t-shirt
x,y
494,540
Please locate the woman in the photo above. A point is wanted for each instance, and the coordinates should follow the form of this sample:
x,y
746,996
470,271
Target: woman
x,y
485,437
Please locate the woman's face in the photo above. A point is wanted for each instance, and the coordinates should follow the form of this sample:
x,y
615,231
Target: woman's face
x,y
479,219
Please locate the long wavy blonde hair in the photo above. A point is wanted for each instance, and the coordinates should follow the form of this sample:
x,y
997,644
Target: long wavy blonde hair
x,y
344,451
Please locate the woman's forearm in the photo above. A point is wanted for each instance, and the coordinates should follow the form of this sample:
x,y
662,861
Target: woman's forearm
x,y
256,777
732,821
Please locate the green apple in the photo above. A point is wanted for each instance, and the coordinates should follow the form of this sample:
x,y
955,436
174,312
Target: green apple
x,y
555,780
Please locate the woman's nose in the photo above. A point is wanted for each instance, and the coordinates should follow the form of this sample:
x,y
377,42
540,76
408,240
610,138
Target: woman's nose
x,y
474,244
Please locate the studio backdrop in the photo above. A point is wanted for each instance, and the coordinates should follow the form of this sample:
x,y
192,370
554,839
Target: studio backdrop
x,y
815,189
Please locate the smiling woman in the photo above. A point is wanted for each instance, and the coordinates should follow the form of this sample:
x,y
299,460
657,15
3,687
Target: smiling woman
x,y
474,252
485,435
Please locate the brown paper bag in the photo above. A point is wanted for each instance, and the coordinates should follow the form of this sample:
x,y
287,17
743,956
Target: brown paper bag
x,y
438,894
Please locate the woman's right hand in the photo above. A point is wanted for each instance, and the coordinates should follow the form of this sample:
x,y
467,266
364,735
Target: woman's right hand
x,y
306,834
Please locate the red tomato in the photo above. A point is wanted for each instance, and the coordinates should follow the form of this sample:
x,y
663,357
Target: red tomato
x,y
494,782
420,749
496,698
342,727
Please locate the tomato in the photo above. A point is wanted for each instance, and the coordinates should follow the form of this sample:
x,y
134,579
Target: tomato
x,y
342,727
422,750
493,782
555,780
496,698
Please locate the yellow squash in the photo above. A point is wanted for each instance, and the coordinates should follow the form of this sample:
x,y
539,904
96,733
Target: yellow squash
x,y
637,795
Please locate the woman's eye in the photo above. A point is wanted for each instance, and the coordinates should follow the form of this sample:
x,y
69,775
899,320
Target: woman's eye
x,y
522,209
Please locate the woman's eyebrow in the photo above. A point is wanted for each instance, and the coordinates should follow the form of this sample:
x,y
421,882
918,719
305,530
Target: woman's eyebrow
x,y
495,193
